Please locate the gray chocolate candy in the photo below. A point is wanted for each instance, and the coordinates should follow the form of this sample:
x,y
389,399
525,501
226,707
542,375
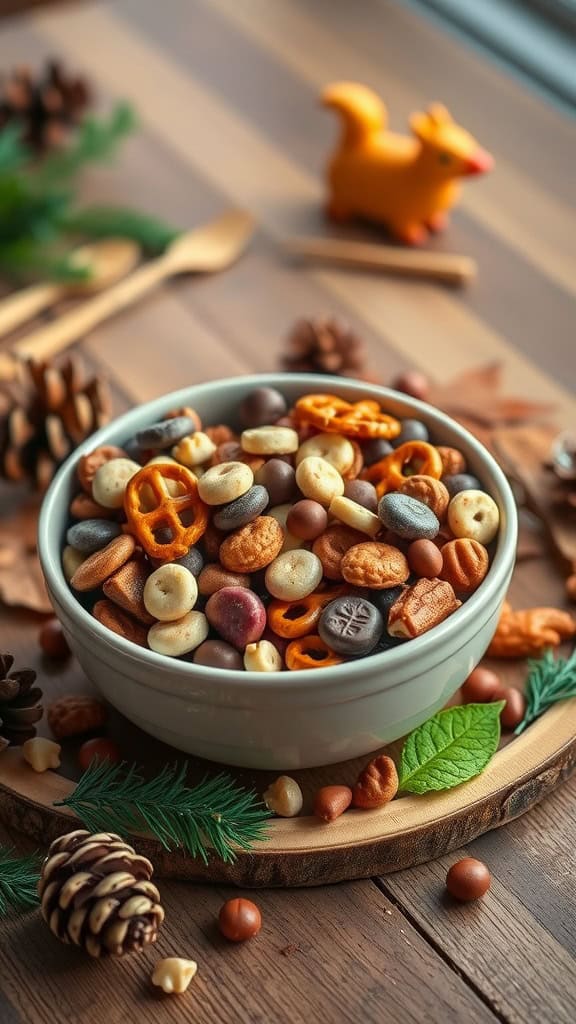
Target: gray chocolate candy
x,y
407,517
92,534
242,510
166,433
351,626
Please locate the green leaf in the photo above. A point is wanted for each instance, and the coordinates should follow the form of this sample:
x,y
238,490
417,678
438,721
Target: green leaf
x,y
451,747
150,233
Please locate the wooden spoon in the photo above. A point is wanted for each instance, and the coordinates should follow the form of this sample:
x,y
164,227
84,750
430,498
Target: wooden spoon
x,y
206,249
108,260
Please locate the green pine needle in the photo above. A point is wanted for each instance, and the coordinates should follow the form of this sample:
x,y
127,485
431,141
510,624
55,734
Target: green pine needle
x,y
18,880
95,140
214,814
152,234
549,680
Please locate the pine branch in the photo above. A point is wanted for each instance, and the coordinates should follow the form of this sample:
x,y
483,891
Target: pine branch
x,y
152,234
214,814
549,680
96,140
18,880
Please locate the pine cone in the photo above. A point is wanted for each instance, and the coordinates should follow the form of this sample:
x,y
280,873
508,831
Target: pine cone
x,y
19,703
48,411
47,105
95,892
324,345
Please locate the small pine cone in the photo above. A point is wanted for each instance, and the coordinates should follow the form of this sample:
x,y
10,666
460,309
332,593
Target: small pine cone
x,y
46,105
20,706
95,892
44,415
324,345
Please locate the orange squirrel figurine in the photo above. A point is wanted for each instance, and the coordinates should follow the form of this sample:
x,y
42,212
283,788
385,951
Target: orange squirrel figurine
x,y
406,183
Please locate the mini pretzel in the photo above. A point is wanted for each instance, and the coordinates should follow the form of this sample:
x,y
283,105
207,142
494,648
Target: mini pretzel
x,y
309,652
168,510
291,619
408,459
334,415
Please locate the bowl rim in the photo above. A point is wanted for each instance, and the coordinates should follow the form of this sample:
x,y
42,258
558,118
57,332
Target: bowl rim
x,y
391,659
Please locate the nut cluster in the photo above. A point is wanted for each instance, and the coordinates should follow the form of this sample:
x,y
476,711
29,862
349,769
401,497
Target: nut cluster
x,y
313,535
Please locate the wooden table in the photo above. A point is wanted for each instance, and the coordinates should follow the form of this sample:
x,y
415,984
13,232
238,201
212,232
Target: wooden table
x,y
227,94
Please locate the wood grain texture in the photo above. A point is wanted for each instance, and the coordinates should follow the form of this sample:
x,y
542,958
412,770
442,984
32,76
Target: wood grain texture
x,y
227,94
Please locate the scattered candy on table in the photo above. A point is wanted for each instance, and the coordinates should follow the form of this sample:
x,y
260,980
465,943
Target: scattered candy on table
x,y
317,534
174,974
239,920
468,879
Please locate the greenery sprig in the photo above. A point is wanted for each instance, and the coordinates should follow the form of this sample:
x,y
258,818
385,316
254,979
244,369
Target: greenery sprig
x,y
549,680
18,880
215,814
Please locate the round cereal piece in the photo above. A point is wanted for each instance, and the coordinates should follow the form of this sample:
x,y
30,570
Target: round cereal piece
x,y
253,546
310,652
225,482
407,517
453,461
307,519
262,656
319,480
166,433
71,561
474,514
294,575
170,592
375,565
465,563
195,450
269,440
331,547
99,566
280,513
92,534
180,637
355,515
429,491
89,464
213,577
241,511
336,449
351,626
110,481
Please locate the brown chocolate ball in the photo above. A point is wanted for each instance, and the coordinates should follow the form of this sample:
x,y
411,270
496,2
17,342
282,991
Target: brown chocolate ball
x,y
52,640
218,654
363,493
239,920
468,879
279,479
307,519
513,711
480,686
376,449
98,749
262,407
424,558
412,383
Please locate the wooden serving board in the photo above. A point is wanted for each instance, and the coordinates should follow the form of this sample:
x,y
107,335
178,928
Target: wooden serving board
x,y
304,851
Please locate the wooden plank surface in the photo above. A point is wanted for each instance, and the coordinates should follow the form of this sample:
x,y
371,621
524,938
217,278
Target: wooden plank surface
x,y
227,95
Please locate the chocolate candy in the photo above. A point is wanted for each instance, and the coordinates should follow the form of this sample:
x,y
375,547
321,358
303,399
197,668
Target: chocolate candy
x,y
262,407
237,614
461,482
407,517
480,686
218,654
413,383
242,510
193,561
91,535
279,479
411,430
513,711
425,558
307,519
52,640
351,626
166,433
363,493
375,450
468,879
383,601
98,749
239,920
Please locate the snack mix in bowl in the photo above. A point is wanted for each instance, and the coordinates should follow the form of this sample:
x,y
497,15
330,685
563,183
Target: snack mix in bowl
x,y
319,534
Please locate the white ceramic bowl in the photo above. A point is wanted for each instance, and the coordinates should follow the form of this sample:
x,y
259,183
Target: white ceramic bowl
x,y
282,720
